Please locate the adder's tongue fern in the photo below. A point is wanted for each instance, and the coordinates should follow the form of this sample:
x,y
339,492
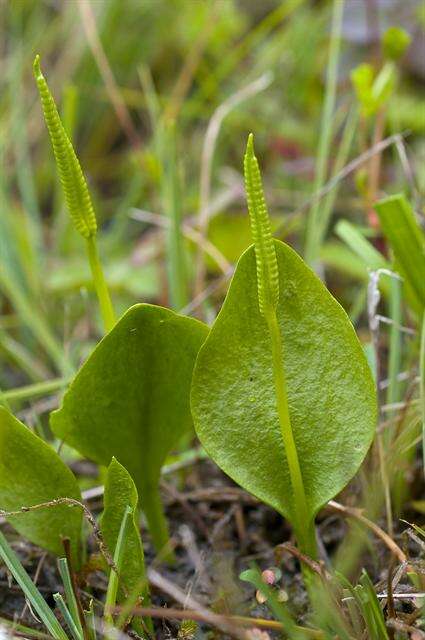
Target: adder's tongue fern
x,y
265,253
268,297
73,182
76,191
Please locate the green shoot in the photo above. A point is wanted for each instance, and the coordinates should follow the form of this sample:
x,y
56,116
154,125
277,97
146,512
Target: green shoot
x,y
422,382
30,590
111,594
268,296
253,576
90,621
172,202
76,192
314,224
76,633
265,254
70,595
368,607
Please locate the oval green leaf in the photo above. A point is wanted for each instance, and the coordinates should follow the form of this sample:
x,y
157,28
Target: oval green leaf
x,y
120,493
130,400
331,393
31,473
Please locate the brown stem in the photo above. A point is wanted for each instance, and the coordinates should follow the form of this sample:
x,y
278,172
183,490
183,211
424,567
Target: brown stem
x,y
358,515
375,170
242,621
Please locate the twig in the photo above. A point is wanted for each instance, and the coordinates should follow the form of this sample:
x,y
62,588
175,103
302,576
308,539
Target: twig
x,y
208,149
212,288
71,502
219,622
414,632
190,233
35,580
358,515
317,567
344,173
243,621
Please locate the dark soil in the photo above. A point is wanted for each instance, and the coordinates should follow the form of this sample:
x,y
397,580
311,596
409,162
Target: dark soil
x,y
219,530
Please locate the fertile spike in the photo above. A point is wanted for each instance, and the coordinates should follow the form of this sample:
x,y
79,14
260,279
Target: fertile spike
x,y
265,253
75,188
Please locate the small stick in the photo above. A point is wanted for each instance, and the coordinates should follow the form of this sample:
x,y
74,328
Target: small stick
x,y
315,566
356,513
214,619
72,503
243,621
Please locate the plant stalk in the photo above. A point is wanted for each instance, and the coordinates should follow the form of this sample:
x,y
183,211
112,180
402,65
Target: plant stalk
x,y
102,292
304,528
172,202
157,523
312,246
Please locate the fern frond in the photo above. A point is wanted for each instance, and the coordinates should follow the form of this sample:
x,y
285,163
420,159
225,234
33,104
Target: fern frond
x,y
74,185
265,253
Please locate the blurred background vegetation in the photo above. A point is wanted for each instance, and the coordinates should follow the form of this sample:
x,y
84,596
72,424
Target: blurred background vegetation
x,y
159,97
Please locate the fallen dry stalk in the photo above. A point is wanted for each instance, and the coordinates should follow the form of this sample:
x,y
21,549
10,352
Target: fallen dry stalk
x,y
243,621
352,512
215,620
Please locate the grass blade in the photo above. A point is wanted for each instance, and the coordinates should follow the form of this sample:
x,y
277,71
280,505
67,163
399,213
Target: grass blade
x,y
407,241
60,603
90,621
172,198
111,594
30,590
69,594
354,239
312,236
33,319
422,381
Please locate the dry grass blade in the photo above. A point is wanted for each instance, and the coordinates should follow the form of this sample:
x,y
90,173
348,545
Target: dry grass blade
x,y
358,515
89,23
216,621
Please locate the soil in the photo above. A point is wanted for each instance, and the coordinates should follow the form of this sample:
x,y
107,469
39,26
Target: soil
x,y
219,530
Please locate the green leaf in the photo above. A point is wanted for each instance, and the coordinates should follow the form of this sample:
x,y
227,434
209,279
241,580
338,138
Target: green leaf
x,y
32,473
121,493
362,78
373,92
131,399
360,245
331,395
395,42
407,241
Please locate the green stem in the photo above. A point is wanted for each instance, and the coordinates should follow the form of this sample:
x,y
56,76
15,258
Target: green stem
x,y
36,389
111,593
157,523
422,383
399,484
326,128
106,309
304,527
172,202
